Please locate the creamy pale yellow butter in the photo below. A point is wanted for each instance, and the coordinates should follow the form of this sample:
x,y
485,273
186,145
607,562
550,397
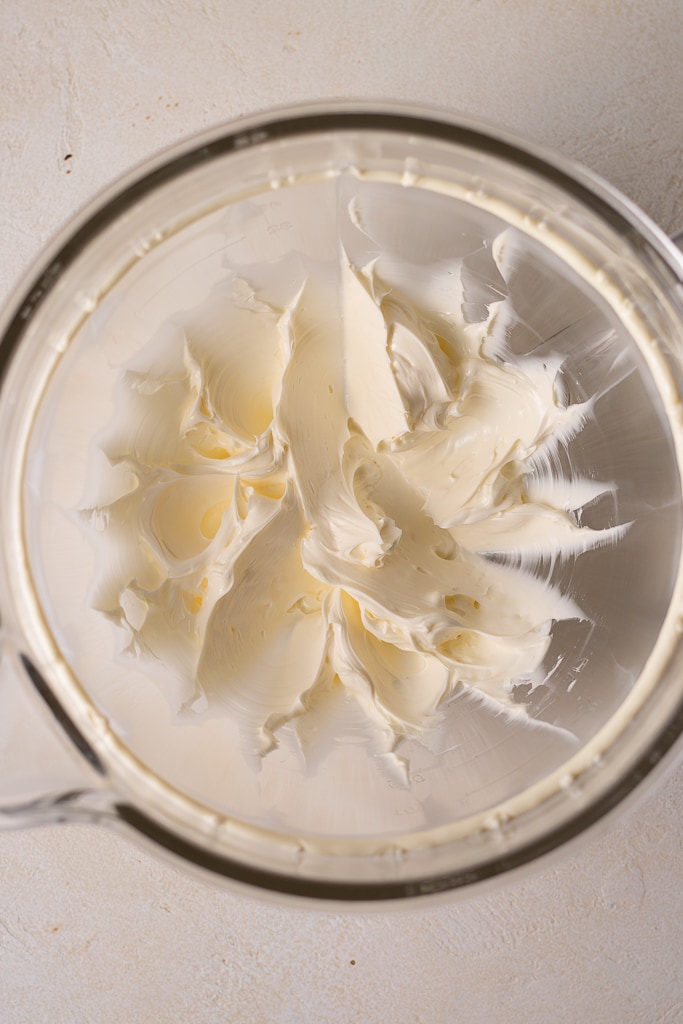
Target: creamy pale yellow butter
x,y
326,482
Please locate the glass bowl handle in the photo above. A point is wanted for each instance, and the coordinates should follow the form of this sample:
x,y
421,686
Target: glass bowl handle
x,y
47,773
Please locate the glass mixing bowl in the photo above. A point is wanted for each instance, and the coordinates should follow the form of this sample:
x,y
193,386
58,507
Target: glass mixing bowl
x,y
176,293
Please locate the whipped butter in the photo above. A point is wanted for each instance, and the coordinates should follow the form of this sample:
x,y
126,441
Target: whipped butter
x,y
336,476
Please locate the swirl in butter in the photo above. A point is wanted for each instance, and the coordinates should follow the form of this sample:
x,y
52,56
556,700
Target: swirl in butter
x,y
337,481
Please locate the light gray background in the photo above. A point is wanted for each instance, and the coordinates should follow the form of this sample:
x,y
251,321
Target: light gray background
x,y
91,927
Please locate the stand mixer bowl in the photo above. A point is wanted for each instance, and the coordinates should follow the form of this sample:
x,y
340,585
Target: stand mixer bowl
x,y
329,319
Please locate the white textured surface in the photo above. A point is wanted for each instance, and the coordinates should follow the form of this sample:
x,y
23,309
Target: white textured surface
x,y
93,929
